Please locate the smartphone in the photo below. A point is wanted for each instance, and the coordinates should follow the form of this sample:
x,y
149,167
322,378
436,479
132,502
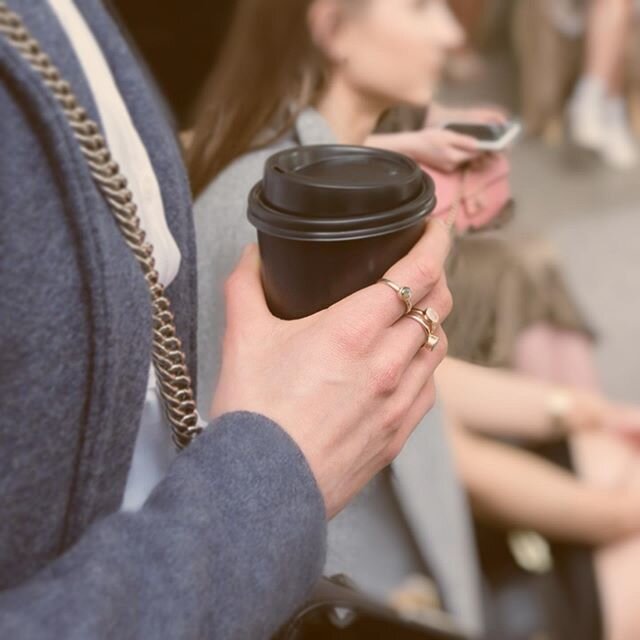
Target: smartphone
x,y
490,136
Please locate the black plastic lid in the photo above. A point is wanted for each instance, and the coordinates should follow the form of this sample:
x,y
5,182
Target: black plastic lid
x,y
332,192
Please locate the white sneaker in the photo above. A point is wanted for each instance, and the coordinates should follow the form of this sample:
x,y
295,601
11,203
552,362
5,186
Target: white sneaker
x,y
586,115
620,149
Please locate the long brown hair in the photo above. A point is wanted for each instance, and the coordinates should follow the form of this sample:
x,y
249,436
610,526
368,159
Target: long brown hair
x,y
268,71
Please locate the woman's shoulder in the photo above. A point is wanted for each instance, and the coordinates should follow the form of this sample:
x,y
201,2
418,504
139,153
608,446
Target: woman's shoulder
x,y
230,188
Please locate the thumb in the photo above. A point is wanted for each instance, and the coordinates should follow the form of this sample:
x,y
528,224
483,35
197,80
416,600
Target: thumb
x,y
244,294
464,142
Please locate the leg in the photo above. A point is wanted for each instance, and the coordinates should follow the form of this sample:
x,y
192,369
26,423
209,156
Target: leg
x,y
607,35
598,112
617,568
600,459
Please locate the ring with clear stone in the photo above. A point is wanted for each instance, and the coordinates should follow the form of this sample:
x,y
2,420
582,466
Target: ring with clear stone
x,y
404,293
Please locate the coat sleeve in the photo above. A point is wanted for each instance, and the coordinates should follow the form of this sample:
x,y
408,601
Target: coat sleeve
x,y
227,546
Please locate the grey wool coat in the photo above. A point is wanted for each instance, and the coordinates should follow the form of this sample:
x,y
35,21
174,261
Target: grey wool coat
x,y
413,519
233,539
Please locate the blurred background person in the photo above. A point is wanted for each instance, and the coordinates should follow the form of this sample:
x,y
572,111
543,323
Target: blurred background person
x,y
579,62
342,101
597,112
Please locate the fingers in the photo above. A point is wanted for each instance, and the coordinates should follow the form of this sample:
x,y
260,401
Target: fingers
x,y
406,337
421,270
410,396
458,157
243,289
461,141
411,403
422,405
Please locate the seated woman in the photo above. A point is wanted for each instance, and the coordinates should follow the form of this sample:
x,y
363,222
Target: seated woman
x,y
325,72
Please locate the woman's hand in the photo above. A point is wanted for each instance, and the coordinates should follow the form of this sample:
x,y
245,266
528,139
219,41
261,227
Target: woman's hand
x,y
589,411
439,149
580,411
349,384
621,519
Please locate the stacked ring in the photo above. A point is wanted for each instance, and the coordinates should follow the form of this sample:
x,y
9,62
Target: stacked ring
x,y
431,339
431,317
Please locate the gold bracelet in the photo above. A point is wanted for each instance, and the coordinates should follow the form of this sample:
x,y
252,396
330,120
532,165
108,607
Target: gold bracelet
x,y
559,404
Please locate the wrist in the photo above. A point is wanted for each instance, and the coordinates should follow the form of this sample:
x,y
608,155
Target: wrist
x,y
573,411
621,520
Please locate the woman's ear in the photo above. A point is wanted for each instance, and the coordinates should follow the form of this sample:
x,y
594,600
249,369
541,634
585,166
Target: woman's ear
x,y
325,19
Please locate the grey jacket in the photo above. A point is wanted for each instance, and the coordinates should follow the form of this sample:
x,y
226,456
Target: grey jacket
x,y
411,520
233,539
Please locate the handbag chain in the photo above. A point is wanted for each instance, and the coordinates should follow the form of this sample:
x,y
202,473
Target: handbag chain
x,y
169,360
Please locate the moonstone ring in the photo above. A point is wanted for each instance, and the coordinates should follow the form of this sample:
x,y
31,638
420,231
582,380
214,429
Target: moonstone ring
x,y
404,293
431,317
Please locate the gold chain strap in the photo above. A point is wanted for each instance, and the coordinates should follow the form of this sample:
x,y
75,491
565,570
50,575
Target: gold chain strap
x,y
169,360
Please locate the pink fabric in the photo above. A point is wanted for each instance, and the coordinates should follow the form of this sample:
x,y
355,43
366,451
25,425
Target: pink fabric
x,y
482,189
561,357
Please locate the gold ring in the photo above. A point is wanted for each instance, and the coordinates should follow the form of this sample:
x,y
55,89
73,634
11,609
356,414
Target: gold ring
x,y
431,339
404,293
431,317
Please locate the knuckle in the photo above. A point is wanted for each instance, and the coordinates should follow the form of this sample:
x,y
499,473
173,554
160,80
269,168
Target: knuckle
x,y
392,416
353,340
385,378
392,451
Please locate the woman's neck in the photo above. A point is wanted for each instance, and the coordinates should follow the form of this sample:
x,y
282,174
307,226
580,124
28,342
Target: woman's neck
x,y
352,118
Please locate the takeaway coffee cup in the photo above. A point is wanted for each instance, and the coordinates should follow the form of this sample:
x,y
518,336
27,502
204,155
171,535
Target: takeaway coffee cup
x,y
332,219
